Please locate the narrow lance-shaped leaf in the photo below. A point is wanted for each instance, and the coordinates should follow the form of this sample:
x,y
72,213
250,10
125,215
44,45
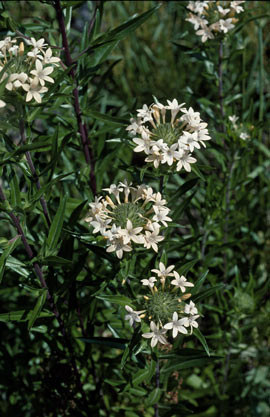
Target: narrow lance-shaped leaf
x,y
56,226
11,246
38,307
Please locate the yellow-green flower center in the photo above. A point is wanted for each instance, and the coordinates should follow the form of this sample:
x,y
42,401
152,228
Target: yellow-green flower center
x,y
161,306
168,133
128,211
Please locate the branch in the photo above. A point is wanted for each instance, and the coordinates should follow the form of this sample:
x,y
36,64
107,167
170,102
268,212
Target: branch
x,y
88,154
39,273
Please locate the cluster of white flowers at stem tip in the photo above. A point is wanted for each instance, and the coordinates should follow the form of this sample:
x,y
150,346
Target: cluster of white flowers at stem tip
x,y
168,142
164,307
28,66
212,17
134,217
238,128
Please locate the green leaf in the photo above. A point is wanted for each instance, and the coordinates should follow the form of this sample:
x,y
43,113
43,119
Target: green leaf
x,y
192,363
106,118
38,307
55,260
57,224
114,342
206,293
116,299
140,376
138,391
125,29
9,249
200,282
21,315
15,190
154,396
201,338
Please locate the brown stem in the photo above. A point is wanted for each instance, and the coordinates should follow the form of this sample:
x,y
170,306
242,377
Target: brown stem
x,y
34,173
88,154
39,273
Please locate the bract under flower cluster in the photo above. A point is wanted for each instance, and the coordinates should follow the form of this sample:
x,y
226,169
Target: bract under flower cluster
x,y
29,66
212,17
168,142
165,308
134,217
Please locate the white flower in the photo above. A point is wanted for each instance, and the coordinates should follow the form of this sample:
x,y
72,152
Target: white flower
x,y
226,25
49,59
2,104
154,157
131,234
37,44
145,113
185,162
174,107
233,119
189,139
134,127
170,154
202,135
244,136
115,190
35,53
133,316
129,219
118,246
151,239
197,21
181,282
157,335
100,225
191,309
42,73
143,143
223,11
169,143
176,325
34,90
205,33
192,322
149,282
163,272
161,216
21,80
236,6
191,117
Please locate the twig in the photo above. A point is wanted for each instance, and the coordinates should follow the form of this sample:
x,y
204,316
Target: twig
x,y
53,306
34,173
88,154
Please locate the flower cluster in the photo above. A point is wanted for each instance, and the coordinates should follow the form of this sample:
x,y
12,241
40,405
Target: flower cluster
x,y
134,217
28,67
168,142
164,307
212,17
238,128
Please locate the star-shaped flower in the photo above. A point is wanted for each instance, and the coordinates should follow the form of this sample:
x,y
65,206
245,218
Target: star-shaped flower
x,y
157,335
176,325
133,315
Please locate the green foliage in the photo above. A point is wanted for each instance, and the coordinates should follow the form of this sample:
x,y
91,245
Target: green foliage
x,y
66,348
